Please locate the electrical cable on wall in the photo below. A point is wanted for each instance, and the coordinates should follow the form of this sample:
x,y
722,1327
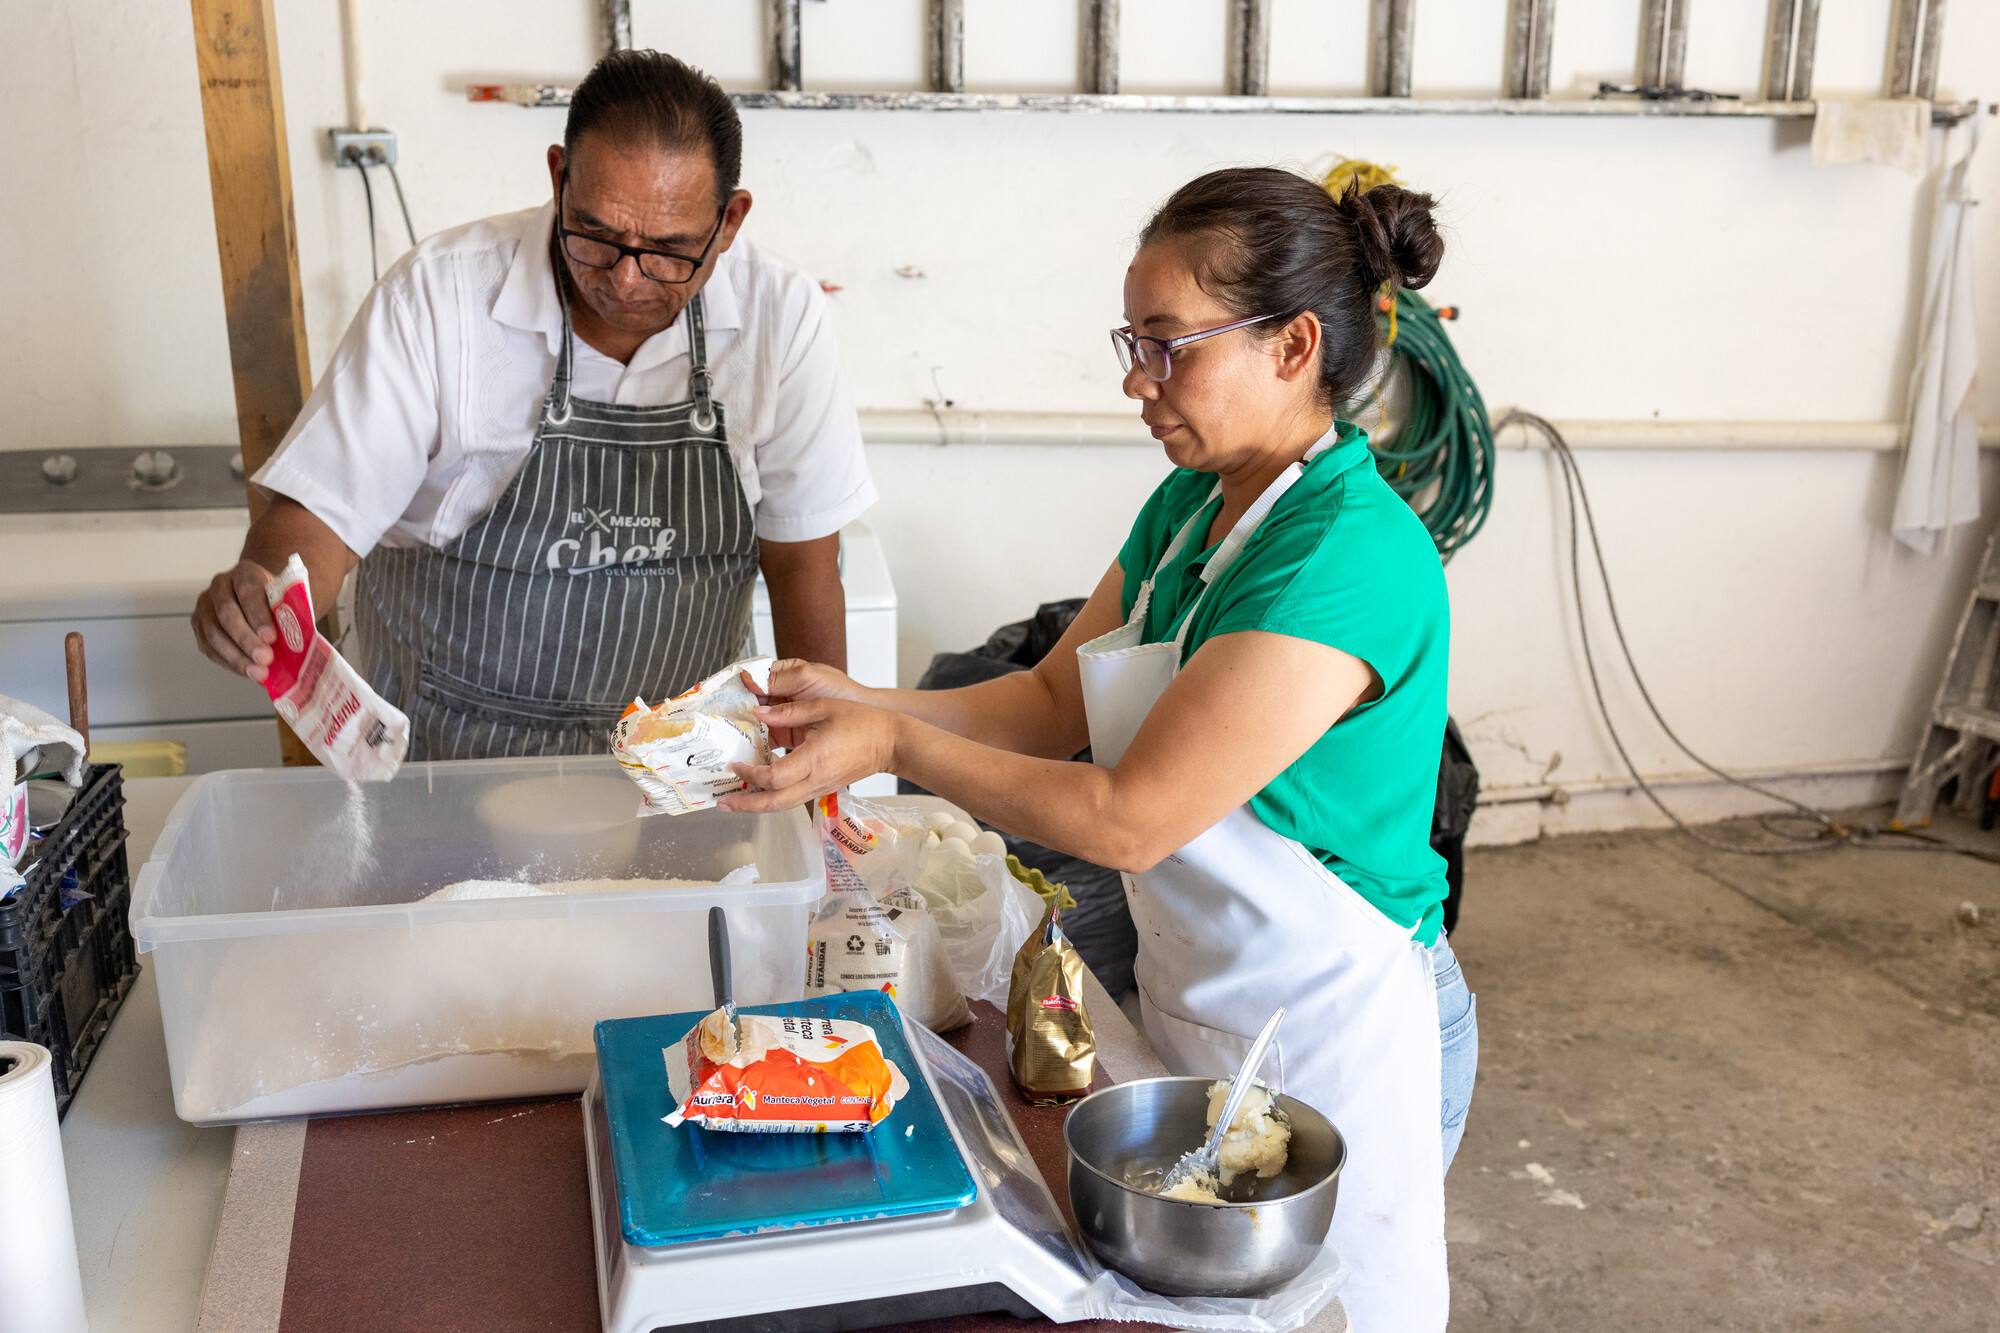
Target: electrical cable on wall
x,y
409,227
1829,832
1439,454
374,262
368,193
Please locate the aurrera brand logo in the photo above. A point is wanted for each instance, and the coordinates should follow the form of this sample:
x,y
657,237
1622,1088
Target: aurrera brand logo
x,y
609,539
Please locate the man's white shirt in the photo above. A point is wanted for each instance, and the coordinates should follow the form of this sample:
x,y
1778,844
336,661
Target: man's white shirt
x,y
429,406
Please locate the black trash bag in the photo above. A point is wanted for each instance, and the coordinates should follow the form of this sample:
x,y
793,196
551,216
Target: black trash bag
x,y
1014,647
1458,793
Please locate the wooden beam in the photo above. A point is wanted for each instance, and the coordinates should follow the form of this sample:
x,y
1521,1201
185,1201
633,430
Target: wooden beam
x,y
250,179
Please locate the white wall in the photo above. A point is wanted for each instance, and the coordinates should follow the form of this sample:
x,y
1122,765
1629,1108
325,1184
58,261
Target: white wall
x,y
1670,269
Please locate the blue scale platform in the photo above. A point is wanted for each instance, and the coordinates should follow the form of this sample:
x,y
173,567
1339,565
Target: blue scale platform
x,y
680,1184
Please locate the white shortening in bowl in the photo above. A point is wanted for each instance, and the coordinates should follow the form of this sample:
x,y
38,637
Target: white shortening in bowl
x,y
300,974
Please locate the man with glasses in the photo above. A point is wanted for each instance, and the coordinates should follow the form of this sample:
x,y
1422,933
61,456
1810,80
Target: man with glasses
x,y
560,444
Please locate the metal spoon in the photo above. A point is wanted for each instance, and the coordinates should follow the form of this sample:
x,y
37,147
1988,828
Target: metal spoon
x,y
1206,1161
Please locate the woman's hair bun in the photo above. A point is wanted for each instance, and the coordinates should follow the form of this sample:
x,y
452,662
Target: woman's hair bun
x,y
1395,232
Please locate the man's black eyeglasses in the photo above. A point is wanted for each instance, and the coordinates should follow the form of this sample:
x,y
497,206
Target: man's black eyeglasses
x,y
659,265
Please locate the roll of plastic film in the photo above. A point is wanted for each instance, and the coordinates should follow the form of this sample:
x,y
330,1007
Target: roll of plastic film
x,y
41,1290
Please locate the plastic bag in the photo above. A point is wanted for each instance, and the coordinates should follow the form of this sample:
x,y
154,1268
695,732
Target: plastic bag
x,y
863,938
1114,1296
983,913
1023,1198
679,754
855,942
353,731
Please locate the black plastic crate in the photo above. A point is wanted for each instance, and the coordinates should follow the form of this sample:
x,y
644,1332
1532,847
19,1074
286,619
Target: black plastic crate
x,y
65,971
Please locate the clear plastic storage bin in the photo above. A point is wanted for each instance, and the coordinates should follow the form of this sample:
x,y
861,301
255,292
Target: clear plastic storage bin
x,y
300,973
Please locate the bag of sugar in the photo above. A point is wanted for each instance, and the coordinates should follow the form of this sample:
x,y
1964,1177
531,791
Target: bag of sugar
x,y
680,752
349,728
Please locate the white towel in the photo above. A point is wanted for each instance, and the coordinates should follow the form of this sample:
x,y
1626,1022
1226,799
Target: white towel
x,y
1886,130
24,726
1940,486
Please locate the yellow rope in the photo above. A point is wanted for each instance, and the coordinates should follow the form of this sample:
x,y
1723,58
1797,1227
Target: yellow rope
x,y
1352,173
1347,171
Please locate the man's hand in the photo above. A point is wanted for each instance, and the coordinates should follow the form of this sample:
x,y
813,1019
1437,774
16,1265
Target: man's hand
x,y
232,620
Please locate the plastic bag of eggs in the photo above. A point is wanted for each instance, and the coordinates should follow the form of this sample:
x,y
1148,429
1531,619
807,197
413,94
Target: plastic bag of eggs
x,y
963,836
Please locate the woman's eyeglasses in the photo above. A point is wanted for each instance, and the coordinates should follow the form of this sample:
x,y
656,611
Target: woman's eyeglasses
x,y
1155,356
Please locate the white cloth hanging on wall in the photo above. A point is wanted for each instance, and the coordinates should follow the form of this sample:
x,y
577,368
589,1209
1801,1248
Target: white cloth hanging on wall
x,y
1887,130
1940,485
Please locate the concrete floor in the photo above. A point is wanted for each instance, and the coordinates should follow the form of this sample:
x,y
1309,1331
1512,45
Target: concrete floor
x,y
1730,1092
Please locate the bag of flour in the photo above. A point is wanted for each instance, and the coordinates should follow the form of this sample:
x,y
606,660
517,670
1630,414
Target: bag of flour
x,y
981,910
856,943
859,940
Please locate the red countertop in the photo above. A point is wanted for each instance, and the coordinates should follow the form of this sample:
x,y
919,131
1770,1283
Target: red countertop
x,y
478,1218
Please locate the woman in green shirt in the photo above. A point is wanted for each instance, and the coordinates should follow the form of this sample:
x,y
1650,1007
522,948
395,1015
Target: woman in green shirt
x,y
1261,677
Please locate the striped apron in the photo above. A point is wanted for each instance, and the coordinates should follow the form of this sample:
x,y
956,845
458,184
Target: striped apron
x,y
618,564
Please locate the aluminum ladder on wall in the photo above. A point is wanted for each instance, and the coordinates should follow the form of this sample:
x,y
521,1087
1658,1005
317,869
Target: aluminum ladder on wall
x,y
1964,727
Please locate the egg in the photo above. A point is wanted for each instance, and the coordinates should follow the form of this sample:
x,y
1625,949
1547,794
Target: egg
x,y
963,831
959,845
989,843
940,820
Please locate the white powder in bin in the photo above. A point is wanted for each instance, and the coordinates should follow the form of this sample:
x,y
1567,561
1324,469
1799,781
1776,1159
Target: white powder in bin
x,y
325,1008
470,890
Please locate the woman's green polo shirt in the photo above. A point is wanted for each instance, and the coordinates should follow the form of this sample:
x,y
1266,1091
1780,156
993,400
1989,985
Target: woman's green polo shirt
x,y
1340,560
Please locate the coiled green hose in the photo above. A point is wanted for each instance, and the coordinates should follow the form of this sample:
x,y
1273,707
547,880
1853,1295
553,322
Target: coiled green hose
x,y
1439,458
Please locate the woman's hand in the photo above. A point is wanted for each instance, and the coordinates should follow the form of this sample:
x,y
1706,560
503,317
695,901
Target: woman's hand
x,y
792,679
838,742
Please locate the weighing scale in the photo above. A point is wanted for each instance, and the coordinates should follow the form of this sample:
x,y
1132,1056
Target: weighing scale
x,y
939,1210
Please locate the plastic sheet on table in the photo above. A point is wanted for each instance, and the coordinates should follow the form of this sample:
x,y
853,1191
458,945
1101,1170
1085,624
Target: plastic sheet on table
x,y
1024,1199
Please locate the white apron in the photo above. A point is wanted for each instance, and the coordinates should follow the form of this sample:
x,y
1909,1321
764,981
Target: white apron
x,y
1242,920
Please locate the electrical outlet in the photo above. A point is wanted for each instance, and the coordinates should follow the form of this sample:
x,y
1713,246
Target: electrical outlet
x,y
354,148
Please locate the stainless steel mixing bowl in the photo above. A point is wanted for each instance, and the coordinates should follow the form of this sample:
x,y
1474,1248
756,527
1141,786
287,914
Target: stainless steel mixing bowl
x,y
1130,1131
